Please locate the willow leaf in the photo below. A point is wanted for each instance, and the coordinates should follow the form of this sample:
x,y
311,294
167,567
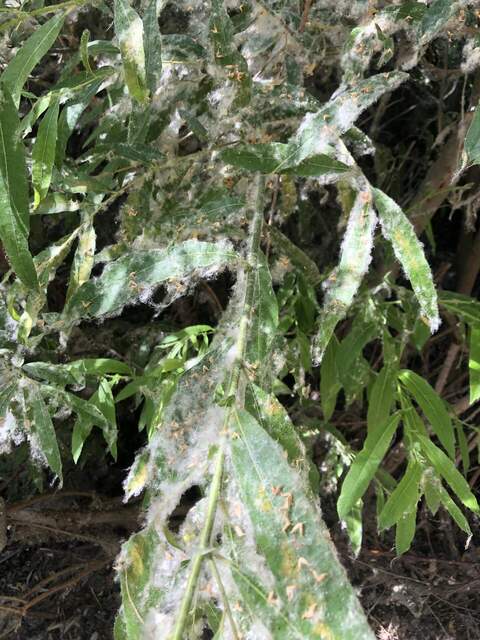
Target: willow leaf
x,y
381,398
453,509
152,44
129,32
43,153
432,406
465,307
474,363
326,605
365,466
344,283
43,432
277,157
264,317
472,140
398,230
404,498
449,472
436,16
226,53
14,213
83,260
29,55
136,273
405,531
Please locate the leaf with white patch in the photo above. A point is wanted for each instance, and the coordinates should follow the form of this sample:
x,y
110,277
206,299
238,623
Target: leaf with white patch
x,y
130,35
14,211
135,273
291,536
43,153
398,230
29,55
355,257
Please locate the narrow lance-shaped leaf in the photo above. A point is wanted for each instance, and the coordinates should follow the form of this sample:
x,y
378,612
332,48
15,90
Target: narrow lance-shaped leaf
x,y
432,406
152,44
277,157
381,398
365,466
43,432
474,363
339,115
134,274
355,258
405,531
291,536
449,472
14,212
264,316
106,403
404,498
330,383
452,508
129,31
84,257
29,55
472,141
43,153
398,230
226,53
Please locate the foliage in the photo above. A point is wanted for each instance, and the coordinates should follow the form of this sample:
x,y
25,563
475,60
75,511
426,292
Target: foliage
x,y
193,135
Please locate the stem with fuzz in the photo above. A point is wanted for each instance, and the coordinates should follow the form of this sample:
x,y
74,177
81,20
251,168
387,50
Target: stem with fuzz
x,y
232,392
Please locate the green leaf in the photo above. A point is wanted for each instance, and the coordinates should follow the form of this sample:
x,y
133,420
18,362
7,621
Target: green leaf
x,y
130,35
137,560
43,433
136,273
449,472
264,317
343,284
83,260
152,44
73,110
226,53
105,402
81,430
84,50
465,307
462,445
431,488
29,55
472,140
432,406
381,398
56,203
330,383
453,509
43,152
340,114
474,363
404,498
325,606
405,532
435,17
365,465
274,419
14,214
276,157
398,230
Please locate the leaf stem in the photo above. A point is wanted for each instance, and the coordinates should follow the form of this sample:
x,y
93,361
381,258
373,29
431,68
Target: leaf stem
x,y
232,390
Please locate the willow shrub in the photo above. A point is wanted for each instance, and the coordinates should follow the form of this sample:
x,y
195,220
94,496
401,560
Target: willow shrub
x,y
253,558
